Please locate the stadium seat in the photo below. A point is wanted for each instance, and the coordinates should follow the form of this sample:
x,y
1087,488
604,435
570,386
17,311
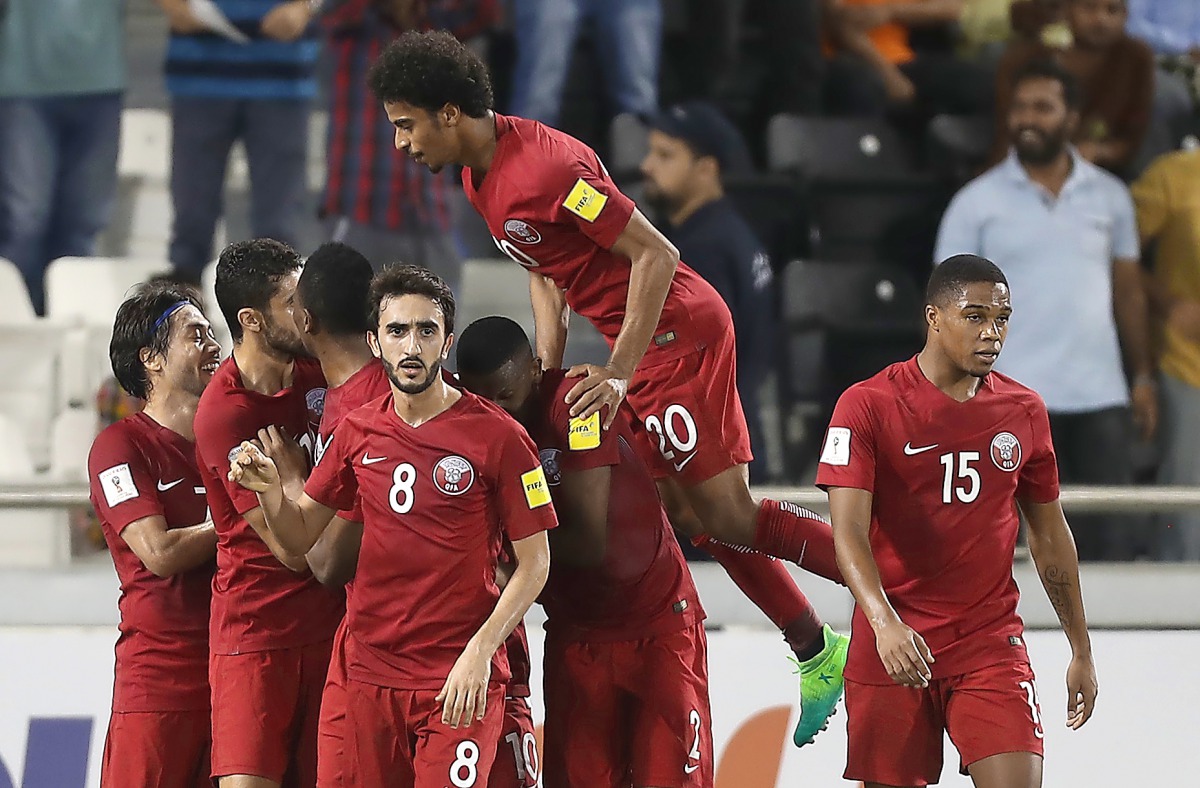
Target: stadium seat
x,y
958,145
145,144
862,149
495,286
88,290
776,209
71,438
15,306
30,356
627,147
208,295
16,463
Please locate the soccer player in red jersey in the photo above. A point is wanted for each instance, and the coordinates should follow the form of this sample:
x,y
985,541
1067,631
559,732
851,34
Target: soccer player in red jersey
x,y
926,465
150,499
331,314
272,622
626,672
443,477
551,206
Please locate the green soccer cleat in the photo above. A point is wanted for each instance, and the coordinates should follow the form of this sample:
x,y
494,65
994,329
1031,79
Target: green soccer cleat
x,y
821,685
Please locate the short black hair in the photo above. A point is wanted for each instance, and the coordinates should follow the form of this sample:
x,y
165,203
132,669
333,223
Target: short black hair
x,y
334,286
952,276
1048,68
248,273
489,343
401,280
431,70
144,321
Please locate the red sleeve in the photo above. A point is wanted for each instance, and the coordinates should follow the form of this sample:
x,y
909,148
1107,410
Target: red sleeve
x,y
586,197
123,490
585,444
523,496
220,430
848,455
333,483
1039,474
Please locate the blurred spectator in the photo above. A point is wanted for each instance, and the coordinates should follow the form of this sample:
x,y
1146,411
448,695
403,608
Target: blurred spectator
x,y
1063,231
1168,210
1172,29
874,67
986,29
62,73
791,47
692,147
628,42
1115,71
1041,20
222,91
377,199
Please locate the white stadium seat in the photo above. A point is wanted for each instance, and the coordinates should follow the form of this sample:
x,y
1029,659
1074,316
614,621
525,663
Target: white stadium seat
x,y
88,290
16,463
208,292
15,306
30,356
495,286
145,144
70,441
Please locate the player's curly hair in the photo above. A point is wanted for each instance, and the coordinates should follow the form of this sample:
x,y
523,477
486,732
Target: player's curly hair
x,y
248,274
431,70
400,280
333,288
951,277
489,343
144,321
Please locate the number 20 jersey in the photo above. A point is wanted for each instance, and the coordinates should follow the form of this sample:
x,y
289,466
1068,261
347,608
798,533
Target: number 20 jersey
x,y
945,476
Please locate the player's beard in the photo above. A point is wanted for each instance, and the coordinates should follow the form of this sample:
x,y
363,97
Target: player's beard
x,y
284,341
412,387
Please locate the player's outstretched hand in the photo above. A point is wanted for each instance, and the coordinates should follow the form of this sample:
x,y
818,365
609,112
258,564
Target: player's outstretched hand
x,y
252,469
601,387
464,695
904,654
1081,691
290,458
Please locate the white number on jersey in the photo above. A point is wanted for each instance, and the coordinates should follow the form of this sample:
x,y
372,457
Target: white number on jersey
x,y
465,769
525,755
1032,699
401,494
516,255
967,493
694,753
676,426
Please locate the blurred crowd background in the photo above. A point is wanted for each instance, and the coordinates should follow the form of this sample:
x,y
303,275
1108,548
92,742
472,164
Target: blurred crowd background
x,y
811,158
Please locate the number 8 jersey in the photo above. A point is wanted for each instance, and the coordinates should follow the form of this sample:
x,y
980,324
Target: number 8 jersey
x,y
436,499
945,476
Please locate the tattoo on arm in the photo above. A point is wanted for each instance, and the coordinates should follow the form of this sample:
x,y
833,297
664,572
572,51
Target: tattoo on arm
x,y
1058,584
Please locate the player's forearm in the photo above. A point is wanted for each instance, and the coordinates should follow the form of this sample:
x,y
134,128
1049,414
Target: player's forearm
x,y
1133,322
854,558
519,594
178,550
649,282
286,524
1054,555
334,558
550,318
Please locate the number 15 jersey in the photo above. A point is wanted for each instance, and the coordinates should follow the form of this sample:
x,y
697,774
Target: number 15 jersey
x,y
945,476
436,499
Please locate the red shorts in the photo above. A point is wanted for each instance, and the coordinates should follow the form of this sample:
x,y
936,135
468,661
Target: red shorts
x,y
691,410
636,708
517,763
265,706
396,739
169,749
331,733
896,733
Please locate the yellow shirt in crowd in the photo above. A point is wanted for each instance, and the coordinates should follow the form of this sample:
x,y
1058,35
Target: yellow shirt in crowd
x,y
1168,211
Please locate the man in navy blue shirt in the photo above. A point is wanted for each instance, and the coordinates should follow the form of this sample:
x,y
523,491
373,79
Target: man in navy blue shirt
x,y
692,147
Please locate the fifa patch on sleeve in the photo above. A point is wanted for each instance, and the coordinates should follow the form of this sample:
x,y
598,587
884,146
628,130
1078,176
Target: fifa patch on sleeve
x,y
837,447
585,201
583,434
117,483
537,492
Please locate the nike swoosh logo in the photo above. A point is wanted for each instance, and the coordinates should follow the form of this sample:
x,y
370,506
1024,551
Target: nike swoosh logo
x,y
680,465
164,487
369,460
910,451
690,768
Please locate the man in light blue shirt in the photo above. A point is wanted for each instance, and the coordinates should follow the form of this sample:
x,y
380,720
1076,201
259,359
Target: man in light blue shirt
x,y
62,74
1064,232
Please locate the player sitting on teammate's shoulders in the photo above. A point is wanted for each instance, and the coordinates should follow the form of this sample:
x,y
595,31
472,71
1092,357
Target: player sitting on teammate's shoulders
x,y
626,670
926,465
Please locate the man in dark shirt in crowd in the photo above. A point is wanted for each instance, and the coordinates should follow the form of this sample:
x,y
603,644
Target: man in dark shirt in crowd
x,y
692,147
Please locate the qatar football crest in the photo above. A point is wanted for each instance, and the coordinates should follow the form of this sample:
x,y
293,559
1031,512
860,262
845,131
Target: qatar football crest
x,y
453,475
1006,451
549,458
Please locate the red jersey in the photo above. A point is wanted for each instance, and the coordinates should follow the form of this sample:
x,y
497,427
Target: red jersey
x,y
437,502
138,468
551,206
945,476
258,603
369,383
643,588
